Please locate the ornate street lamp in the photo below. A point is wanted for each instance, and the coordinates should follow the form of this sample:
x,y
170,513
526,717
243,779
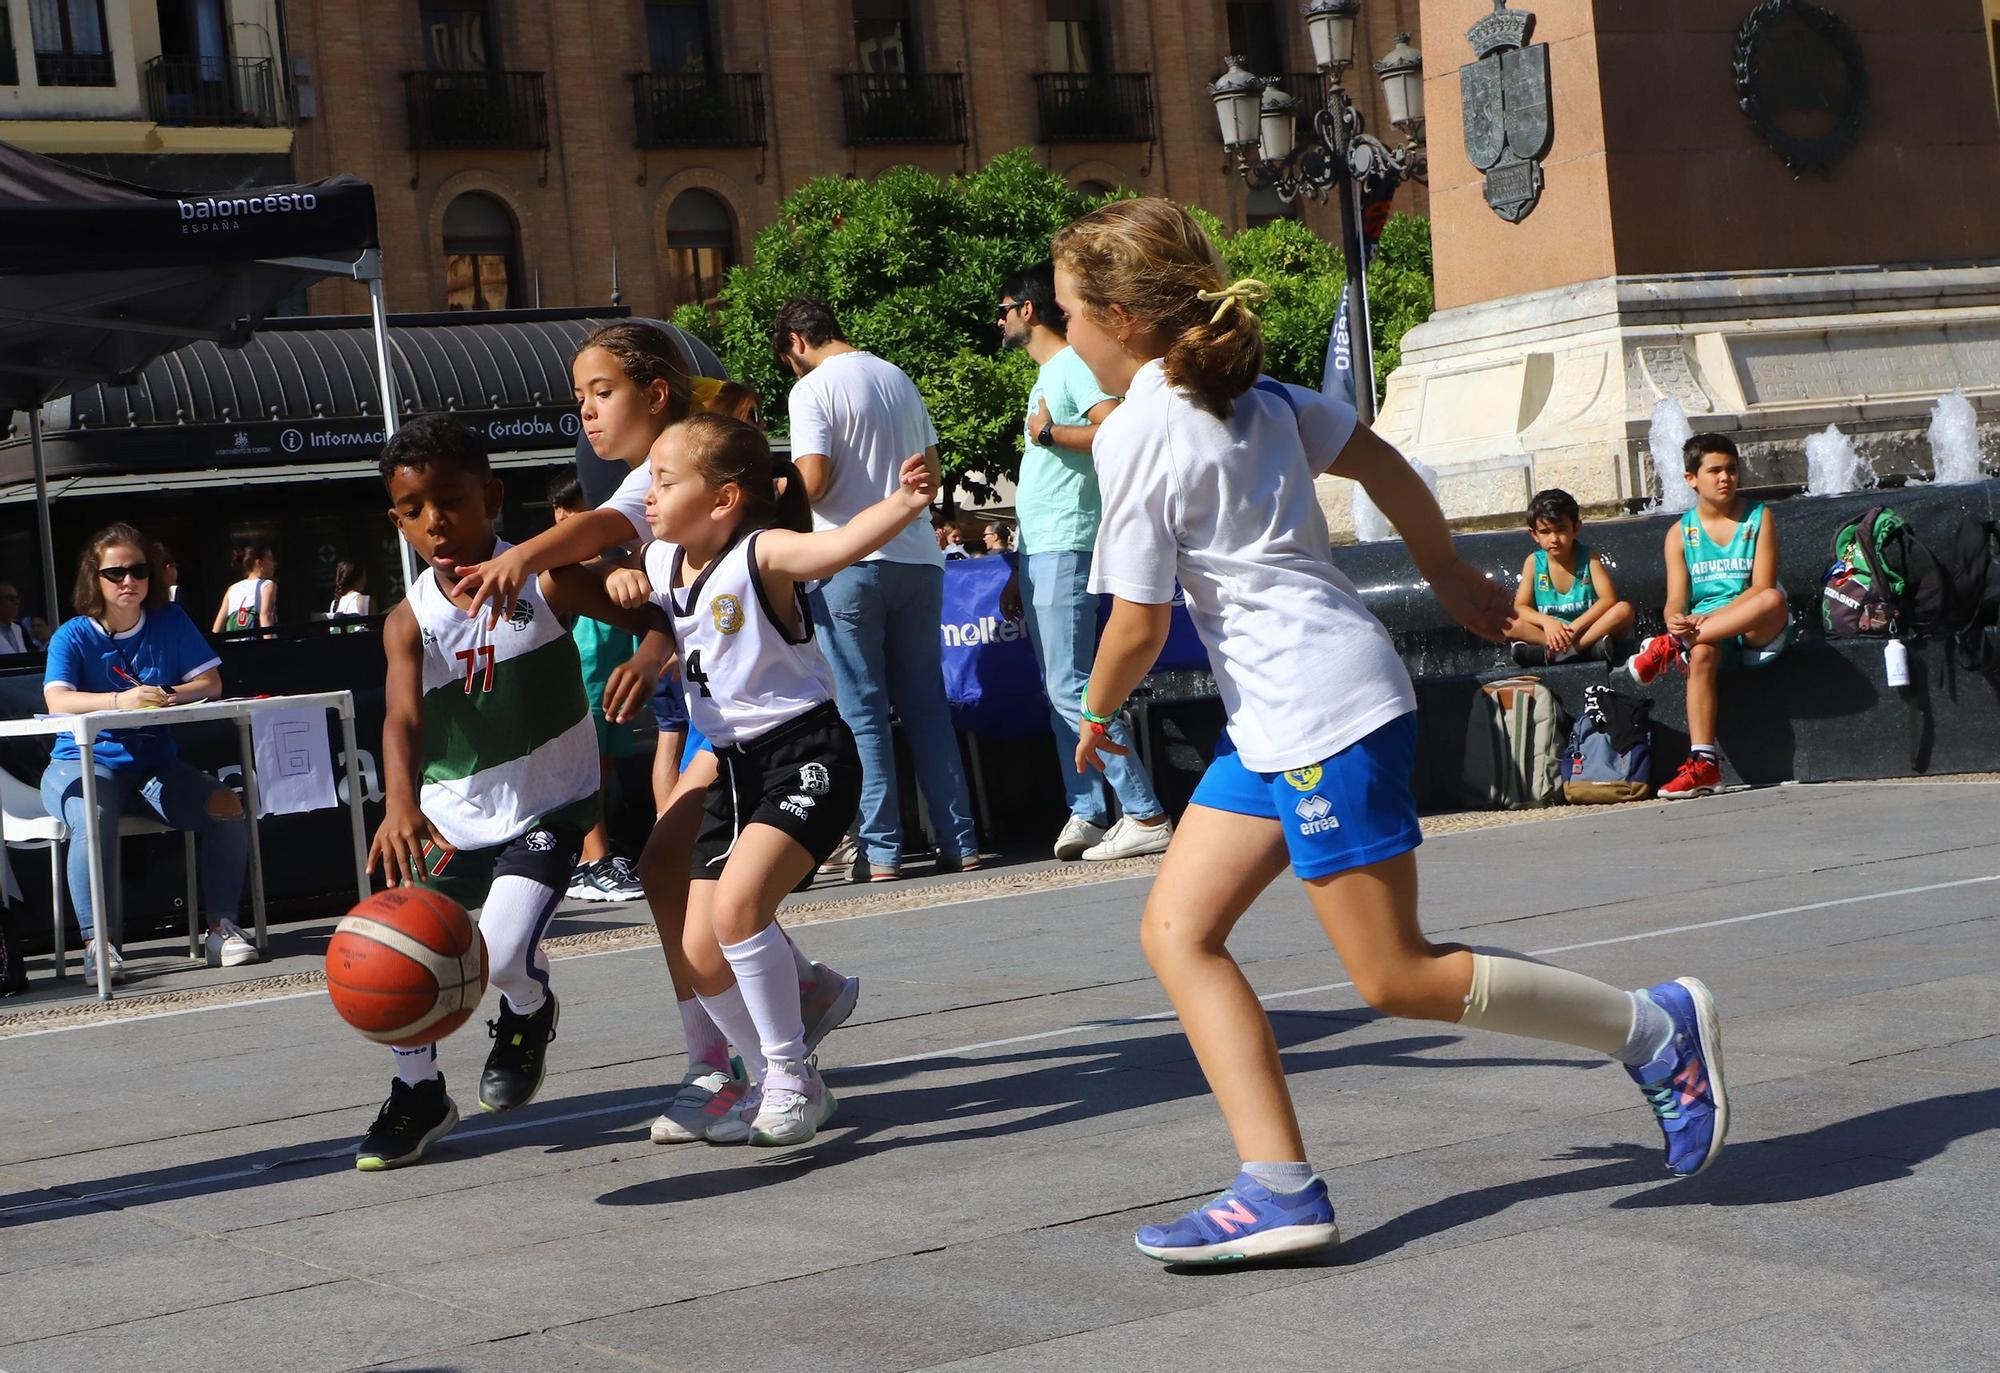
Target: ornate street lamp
x,y
1259,128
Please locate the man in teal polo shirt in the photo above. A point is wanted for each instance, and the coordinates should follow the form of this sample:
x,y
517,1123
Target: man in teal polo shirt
x,y
1057,510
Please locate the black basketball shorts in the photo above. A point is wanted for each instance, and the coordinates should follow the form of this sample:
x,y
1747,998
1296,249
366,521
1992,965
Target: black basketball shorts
x,y
803,778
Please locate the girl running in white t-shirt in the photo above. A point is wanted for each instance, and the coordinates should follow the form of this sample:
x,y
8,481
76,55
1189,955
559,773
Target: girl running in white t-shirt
x,y
632,385
1207,476
252,601
734,549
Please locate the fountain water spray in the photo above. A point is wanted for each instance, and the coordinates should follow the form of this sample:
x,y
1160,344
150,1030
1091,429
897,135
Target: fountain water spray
x,y
1668,434
1954,436
1370,524
1832,464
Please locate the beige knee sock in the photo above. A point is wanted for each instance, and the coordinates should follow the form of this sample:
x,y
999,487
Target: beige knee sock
x,y
1517,996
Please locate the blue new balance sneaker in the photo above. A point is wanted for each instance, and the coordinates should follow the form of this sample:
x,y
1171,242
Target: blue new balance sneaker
x,y
1247,1222
1684,1084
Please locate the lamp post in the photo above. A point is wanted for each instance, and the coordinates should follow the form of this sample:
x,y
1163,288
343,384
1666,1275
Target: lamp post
x,y
1259,124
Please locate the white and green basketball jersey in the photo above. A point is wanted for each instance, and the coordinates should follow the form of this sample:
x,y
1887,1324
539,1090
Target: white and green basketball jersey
x,y
508,737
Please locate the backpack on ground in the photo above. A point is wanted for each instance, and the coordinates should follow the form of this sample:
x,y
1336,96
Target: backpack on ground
x,y
1883,582
1610,754
1514,740
1971,567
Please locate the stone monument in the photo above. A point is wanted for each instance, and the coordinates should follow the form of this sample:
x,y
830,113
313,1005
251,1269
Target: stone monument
x,y
1780,214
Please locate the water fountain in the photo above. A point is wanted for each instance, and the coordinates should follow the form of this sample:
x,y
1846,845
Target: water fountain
x,y
1370,524
1832,464
1954,436
1665,438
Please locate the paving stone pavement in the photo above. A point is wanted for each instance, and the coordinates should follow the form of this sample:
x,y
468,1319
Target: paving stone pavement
x,y
176,1192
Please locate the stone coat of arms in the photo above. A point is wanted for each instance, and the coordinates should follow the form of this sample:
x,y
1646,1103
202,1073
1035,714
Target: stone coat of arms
x,y
1505,94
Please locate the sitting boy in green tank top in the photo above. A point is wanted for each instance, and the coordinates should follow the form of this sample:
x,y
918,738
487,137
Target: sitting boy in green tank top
x,y
1724,605
1568,607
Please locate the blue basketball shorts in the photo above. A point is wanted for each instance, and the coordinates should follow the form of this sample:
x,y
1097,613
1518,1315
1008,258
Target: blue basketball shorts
x,y
696,742
1343,812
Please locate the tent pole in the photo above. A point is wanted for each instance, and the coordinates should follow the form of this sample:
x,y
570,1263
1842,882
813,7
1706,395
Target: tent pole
x,y
42,516
370,269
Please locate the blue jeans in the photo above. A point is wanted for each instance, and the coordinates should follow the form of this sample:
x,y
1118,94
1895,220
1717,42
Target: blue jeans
x,y
175,793
878,623
1062,624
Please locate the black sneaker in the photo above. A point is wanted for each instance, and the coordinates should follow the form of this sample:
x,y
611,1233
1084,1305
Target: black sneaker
x,y
514,1069
410,1121
1528,655
608,879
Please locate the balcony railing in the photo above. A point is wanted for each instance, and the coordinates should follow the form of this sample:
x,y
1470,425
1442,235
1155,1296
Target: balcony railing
x,y
74,69
477,109
891,107
1095,107
212,91
720,110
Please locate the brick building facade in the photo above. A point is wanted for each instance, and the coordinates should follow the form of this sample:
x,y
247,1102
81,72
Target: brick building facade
x,y
517,145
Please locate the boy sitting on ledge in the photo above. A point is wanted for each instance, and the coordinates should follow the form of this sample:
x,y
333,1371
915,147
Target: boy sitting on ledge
x,y
1568,607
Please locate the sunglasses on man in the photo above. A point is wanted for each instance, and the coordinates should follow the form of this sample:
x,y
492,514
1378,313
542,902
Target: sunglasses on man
x,y
1008,307
139,572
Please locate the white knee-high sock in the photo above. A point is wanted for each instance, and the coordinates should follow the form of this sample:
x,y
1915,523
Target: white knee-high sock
x,y
770,985
727,1010
799,960
707,1045
416,1066
1518,996
516,912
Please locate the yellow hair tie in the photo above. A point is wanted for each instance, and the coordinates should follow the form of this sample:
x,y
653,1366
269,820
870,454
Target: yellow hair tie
x,y
1243,293
701,393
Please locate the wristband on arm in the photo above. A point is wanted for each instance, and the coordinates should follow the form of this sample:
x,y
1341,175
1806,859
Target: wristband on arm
x,y
1091,717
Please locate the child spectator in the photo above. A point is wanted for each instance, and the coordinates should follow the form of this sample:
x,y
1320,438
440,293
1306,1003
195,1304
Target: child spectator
x,y
1569,608
600,874
1724,605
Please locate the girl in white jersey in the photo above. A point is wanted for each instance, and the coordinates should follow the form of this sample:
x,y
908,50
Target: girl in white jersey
x,y
734,547
631,386
252,600
1207,475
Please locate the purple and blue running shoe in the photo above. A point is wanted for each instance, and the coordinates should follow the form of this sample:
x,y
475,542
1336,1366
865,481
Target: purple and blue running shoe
x,y
1684,1084
1246,1223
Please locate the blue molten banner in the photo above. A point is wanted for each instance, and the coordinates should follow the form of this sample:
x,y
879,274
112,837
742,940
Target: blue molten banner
x,y
991,676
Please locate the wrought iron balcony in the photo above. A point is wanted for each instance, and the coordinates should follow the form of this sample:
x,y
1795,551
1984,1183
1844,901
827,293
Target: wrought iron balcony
x,y
212,91
477,109
1095,107
74,69
891,107
719,110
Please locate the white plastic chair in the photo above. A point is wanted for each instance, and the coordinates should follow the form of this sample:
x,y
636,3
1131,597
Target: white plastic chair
x,y
24,824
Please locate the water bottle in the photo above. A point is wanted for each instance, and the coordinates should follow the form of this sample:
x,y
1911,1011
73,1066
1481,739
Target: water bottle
x,y
1896,662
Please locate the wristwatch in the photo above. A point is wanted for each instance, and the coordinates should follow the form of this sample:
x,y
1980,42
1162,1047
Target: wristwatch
x,y
1047,437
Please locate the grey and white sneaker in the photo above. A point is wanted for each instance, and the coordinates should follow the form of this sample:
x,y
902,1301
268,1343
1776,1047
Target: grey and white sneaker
x,y
1130,839
1077,835
609,879
795,1103
826,1002
842,858
706,1095
733,1125
227,947
90,962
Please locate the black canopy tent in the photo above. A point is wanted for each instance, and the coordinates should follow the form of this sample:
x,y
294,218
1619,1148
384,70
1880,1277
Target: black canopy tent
x,y
98,277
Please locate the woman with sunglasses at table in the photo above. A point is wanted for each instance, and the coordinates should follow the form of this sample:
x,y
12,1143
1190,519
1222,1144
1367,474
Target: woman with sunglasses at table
x,y
129,648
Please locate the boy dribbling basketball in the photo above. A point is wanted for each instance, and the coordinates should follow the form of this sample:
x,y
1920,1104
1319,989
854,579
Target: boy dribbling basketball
x,y
489,765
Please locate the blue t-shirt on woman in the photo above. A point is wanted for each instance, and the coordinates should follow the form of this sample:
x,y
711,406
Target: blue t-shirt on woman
x,y
164,649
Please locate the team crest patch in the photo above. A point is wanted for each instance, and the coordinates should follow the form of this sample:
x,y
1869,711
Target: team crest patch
x,y
539,841
1693,532
1542,581
522,615
815,779
728,613
1304,779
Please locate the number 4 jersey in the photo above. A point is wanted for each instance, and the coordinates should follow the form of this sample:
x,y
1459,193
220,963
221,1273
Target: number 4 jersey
x,y
746,673
508,738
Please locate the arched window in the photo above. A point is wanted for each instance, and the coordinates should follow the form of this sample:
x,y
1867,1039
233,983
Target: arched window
x,y
481,254
701,248
1093,188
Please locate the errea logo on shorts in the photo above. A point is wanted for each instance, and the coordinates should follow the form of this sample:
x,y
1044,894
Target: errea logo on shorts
x,y
799,804
1315,815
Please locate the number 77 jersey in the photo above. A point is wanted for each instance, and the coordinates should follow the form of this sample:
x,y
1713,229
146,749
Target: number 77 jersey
x,y
508,738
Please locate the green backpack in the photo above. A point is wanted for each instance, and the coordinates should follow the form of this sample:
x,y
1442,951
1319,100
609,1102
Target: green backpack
x,y
1867,592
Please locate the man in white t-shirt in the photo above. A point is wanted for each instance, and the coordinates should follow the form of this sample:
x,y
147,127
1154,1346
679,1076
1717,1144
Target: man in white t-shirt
x,y
855,419
18,635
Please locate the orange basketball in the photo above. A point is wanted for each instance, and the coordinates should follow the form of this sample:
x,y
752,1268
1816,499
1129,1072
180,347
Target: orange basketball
x,y
406,966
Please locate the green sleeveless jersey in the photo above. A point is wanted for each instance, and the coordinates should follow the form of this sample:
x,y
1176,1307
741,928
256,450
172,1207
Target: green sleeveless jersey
x,y
508,738
1717,574
1564,605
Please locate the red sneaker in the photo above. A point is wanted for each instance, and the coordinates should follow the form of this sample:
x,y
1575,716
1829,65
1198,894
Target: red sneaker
x,y
1699,776
1655,656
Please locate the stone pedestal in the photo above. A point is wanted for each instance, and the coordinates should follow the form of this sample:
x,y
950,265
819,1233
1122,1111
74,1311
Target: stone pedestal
x,y
1672,253
1558,387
